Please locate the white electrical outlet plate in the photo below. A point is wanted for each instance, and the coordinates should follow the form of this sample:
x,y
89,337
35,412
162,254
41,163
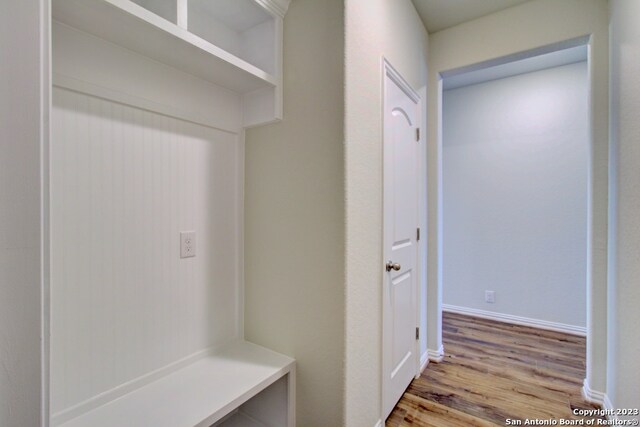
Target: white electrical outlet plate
x,y
490,296
187,244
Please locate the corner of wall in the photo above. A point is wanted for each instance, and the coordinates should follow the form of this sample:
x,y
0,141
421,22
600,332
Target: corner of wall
x,y
294,214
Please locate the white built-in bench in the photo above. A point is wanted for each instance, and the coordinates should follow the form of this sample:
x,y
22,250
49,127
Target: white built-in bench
x,y
242,384
176,82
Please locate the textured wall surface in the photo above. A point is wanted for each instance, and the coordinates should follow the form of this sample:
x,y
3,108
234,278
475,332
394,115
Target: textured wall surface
x,y
623,374
294,214
375,29
515,165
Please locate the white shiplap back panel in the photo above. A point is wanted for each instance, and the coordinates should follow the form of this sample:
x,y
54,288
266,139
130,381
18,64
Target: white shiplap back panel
x,y
124,183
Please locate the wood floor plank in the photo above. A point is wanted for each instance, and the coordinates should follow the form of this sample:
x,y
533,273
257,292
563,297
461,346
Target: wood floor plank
x,y
493,371
533,368
416,410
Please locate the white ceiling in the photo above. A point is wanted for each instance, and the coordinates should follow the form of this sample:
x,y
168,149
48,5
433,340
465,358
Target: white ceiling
x,y
440,14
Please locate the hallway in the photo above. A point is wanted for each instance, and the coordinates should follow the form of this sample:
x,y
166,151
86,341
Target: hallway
x,y
496,371
201,207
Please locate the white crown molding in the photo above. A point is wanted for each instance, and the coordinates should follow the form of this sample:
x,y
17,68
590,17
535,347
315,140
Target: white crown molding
x,y
517,320
277,7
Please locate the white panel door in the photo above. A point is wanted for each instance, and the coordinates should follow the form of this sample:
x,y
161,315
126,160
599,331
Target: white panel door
x,y
401,151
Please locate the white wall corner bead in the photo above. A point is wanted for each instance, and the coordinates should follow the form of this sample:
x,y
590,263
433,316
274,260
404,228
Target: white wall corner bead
x,y
147,121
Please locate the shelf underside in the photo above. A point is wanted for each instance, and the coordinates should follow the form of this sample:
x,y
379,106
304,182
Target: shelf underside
x,y
241,420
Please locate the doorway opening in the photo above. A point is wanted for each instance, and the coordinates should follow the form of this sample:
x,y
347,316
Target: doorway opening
x,y
516,167
515,191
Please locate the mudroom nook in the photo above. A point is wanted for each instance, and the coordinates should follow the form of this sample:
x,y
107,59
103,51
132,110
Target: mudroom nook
x,y
149,104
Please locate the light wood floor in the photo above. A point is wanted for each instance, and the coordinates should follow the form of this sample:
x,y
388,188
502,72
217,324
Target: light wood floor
x,y
493,371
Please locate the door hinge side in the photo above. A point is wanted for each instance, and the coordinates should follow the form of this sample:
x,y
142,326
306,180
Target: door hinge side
x,y
418,234
417,332
418,134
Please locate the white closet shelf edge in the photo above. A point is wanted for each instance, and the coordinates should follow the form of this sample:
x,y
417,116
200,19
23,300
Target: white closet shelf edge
x,y
131,26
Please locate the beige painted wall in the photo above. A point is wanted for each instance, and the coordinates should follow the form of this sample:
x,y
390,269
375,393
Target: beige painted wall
x,y
374,29
24,89
531,25
623,374
294,214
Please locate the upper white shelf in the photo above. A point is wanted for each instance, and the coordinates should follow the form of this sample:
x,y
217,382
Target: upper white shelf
x,y
128,24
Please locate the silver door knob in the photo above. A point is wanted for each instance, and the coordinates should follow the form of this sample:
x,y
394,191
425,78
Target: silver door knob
x,y
393,266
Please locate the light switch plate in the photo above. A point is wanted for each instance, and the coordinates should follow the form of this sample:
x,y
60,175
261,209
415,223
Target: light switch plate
x,y
187,244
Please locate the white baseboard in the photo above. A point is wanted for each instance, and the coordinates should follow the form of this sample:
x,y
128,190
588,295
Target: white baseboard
x,y
593,396
517,320
608,406
599,398
436,355
424,361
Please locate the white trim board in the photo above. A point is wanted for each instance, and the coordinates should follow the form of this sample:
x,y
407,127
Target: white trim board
x,y
397,78
436,355
424,362
517,320
599,398
592,396
608,406
70,83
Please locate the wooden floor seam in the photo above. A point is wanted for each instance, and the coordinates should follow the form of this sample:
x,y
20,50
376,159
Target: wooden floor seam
x,y
493,372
